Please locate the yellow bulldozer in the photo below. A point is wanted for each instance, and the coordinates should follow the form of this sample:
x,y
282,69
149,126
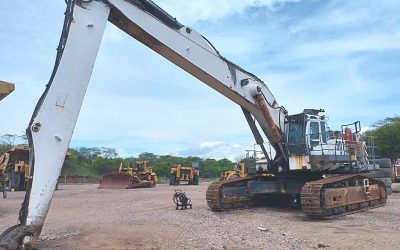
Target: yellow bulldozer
x,y
238,172
137,175
182,174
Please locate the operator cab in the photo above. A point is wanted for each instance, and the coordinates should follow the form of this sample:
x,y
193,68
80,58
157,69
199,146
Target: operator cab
x,y
306,131
307,135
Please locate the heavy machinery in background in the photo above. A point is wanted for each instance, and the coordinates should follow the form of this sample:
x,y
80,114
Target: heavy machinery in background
x,y
383,172
15,168
256,162
184,174
137,175
6,88
310,163
238,172
396,170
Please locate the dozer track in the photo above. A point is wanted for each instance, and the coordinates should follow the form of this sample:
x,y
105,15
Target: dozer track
x,y
341,195
118,180
228,194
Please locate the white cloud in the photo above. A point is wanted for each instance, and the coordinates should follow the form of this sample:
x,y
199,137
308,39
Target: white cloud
x,y
218,150
227,151
371,42
337,55
210,10
211,144
365,129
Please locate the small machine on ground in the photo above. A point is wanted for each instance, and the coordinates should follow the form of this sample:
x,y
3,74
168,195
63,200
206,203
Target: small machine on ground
x,y
181,200
137,175
183,174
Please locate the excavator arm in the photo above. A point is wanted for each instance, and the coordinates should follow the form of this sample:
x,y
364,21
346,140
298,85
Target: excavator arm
x,y
54,118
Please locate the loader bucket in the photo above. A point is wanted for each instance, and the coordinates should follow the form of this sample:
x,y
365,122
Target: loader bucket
x,y
116,181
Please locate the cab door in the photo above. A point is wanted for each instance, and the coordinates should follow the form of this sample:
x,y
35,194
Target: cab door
x,y
314,135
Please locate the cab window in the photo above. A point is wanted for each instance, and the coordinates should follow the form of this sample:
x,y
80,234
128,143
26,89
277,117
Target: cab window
x,y
314,131
323,132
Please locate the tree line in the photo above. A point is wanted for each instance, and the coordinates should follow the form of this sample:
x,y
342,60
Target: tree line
x,y
98,161
386,135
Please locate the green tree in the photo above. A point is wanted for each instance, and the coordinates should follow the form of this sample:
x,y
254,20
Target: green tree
x,y
8,141
89,154
102,166
148,156
387,137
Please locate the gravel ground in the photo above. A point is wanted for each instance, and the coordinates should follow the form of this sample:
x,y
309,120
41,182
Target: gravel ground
x,y
83,217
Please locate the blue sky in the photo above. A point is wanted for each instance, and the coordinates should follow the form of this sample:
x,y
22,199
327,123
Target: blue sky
x,y
343,56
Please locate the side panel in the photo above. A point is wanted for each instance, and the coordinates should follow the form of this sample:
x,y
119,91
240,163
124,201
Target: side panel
x,y
299,162
55,121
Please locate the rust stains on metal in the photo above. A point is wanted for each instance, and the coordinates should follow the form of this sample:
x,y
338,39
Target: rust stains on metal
x,y
276,136
218,202
345,196
341,195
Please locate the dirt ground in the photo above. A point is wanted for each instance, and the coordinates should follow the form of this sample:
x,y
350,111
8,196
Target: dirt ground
x,y
84,217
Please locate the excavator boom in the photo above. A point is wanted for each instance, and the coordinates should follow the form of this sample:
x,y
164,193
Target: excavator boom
x,y
55,115
54,118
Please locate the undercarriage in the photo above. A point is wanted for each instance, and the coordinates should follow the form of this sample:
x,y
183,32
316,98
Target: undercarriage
x,y
320,197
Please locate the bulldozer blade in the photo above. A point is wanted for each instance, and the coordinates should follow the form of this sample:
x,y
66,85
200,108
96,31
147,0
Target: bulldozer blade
x,y
117,181
143,184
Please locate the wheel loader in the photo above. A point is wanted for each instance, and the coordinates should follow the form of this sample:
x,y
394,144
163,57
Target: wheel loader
x,y
137,175
184,174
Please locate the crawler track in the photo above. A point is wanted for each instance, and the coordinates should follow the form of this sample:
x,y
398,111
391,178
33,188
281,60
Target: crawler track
x,y
218,201
341,195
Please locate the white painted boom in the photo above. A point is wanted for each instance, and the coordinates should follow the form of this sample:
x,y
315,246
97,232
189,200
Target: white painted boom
x,y
55,116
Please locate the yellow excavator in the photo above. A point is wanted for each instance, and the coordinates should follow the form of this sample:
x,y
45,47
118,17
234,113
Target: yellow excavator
x,y
137,175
